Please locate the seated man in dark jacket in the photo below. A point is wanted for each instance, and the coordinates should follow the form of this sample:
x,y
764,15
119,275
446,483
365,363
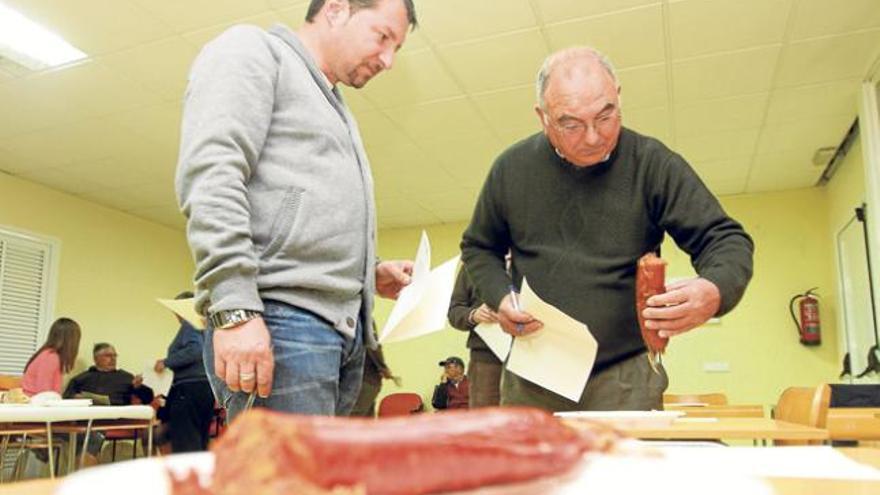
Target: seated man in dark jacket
x,y
104,379
454,388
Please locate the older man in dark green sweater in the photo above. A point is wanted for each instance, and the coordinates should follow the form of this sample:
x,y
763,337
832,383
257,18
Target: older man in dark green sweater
x,y
577,205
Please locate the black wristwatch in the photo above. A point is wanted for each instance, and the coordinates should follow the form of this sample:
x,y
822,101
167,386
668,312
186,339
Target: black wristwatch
x,y
231,318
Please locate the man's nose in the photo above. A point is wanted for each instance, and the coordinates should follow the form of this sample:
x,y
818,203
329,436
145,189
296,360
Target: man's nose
x,y
592,135
387,58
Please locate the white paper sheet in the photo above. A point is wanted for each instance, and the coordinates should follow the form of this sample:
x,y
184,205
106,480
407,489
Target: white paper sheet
x,y
560,356
497,339
186,309
159,382
422,306
815,462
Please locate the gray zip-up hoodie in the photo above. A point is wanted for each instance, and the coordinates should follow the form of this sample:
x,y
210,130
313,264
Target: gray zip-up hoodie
x,y
275,183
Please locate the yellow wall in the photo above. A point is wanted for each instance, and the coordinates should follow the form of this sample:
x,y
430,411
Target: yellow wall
x,y
845,191
757,339
112,267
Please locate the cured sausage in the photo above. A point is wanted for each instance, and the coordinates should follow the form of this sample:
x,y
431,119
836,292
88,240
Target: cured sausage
x,y
650,281
265,452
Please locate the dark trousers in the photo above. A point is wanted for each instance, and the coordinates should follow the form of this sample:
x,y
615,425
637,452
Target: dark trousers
x,y
630,385
484,375
190,410
365,406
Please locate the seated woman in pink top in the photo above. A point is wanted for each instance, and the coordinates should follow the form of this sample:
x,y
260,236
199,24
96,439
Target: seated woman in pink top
x,y
44,369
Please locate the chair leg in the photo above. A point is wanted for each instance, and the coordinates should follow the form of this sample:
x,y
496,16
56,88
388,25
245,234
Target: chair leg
x,y
20,463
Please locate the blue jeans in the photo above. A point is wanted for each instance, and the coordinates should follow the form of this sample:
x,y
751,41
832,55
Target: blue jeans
x,y
317,369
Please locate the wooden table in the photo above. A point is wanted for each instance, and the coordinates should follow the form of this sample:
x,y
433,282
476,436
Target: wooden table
x,y
791,486
729,429
47,417
854,423
727,411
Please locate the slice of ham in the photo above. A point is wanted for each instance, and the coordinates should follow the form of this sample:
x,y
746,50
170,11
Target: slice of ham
x,y
650,281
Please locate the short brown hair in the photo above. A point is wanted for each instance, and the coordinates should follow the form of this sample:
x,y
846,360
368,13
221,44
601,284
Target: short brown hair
x,y
316,5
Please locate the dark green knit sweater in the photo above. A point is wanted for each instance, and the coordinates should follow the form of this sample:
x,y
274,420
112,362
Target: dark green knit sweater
x,y
576,233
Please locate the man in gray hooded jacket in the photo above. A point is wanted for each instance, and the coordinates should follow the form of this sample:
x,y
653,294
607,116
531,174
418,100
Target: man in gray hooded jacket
x,y
278,195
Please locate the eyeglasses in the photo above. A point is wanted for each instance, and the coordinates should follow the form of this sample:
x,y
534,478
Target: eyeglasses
x,y
572,127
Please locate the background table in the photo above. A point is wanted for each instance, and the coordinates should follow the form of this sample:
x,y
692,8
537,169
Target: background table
x,y
28,415
725,428
727,411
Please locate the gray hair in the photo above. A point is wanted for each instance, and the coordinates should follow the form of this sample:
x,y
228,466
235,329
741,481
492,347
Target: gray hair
x,y
566,54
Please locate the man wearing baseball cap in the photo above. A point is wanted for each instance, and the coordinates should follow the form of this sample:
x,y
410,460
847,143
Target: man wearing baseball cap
x,y
453,390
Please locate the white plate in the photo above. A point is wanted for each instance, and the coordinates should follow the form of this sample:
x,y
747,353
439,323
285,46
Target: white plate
x,y
139,477
627,419
599,474
69,403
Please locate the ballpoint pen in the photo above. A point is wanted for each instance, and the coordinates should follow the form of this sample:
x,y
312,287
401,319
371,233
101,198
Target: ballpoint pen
x,y
514,299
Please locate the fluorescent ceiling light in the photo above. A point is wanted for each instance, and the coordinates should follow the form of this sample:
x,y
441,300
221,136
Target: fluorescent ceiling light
x,y
31,45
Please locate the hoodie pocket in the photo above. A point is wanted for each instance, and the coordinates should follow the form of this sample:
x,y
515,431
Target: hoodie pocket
x,y
283,224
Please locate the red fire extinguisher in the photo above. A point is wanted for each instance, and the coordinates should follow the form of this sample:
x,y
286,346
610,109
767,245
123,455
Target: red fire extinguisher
x,y
810,326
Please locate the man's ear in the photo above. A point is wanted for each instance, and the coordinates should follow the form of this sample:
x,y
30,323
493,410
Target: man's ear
x,y
336,12
541,115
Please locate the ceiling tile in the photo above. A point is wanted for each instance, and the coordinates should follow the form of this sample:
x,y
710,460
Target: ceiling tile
x,y
447,21
162,66
729,74
516,58
454,205
193,14
15,163
698,27
61,179
355,100
96,26
563,10
168,216
514,135
467,160
652,122
724,176
200,36
780,171
156,123
805,135
378,131
50,98
643,86
710,147
416,77
828,59
285,4
728,114
89,140
630,38
822,17
456,117
510,108
293,16
814,101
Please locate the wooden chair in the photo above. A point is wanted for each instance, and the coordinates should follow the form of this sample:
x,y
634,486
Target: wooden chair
x,y
9,382
712,399
804,405
401,404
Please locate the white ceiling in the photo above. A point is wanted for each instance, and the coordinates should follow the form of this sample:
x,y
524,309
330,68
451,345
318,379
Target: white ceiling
x,y
747,90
